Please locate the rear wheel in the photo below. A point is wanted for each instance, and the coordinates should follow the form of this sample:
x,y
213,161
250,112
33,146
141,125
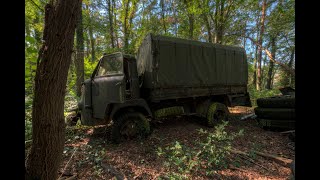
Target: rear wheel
x,y
217,113
129,126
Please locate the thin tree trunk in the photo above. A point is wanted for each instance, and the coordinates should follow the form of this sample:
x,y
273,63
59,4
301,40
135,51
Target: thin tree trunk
x,y
163,16
125,27
115,23
50,84
220,21
206,20
92,40
110,12
190,18
79,60
191,25
290,65
255,64
259,82
271,64
87,45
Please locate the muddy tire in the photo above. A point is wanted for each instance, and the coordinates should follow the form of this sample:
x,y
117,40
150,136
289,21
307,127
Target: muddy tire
x,y
277,102
128,126
275,113
217,113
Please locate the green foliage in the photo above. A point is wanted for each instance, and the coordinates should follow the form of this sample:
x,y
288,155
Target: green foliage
x,y
254,94
208,155
89,67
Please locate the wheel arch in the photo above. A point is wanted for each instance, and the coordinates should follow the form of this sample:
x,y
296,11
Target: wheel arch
x,y
139,105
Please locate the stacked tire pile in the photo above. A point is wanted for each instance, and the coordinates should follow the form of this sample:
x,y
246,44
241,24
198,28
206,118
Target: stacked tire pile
x,y
276,112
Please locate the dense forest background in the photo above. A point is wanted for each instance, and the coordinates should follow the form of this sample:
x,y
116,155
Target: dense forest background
x,y
265,28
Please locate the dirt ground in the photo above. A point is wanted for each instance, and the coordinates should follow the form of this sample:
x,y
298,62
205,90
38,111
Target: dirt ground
x,y
89,154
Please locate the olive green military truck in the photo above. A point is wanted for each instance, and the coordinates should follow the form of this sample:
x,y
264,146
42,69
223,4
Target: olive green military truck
x,y
127,90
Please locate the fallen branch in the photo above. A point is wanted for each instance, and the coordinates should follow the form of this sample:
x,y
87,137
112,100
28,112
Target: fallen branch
x,y
252,115
65,167
281,160
252,161
285,132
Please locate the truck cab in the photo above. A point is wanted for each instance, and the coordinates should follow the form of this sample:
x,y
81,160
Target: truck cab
x,y
113,85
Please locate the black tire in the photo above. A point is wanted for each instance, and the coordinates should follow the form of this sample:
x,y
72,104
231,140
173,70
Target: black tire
x,y
217,113
278,123
277,102
275,113
128,126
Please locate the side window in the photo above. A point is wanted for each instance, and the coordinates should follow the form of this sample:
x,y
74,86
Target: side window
x,y
110,66
102,71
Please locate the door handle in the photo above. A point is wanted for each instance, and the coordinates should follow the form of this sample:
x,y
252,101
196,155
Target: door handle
x,y
118,83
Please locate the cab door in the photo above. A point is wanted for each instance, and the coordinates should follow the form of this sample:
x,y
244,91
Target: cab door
x,y
108,84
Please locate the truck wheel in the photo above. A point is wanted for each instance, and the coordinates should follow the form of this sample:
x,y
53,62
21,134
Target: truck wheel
x,y
217,113
275,113
128,126
276,102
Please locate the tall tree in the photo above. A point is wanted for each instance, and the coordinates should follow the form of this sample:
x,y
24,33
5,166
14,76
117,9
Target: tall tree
x,y
90,30
271,64
127,15
260,41
50,84
79,60
111,22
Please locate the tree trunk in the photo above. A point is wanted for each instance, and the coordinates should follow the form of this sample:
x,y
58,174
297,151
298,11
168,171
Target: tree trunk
x,y
115,23
50,84
125,27
271,64
88,45
206,20
79,60
191,25
220,21
163,16
292,77
110,12
259,82
92,40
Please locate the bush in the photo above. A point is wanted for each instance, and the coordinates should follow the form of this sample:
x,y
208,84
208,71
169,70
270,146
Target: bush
x,y
209,154
254,94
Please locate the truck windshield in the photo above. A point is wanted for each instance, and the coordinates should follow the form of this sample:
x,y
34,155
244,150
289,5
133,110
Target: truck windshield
x,y
110,66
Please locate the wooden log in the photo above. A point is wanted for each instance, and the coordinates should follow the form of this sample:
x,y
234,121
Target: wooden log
x,y
278,159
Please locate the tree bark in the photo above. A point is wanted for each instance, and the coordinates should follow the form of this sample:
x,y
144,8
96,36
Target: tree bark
x,y
92,40
163,16
190,18
125,26
207,23
110,13
290,65
50,84
191,25
271,64
79,60
263,14
115,24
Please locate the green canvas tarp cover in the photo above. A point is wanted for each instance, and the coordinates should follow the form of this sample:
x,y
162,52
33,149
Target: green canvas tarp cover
x,y
167,62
